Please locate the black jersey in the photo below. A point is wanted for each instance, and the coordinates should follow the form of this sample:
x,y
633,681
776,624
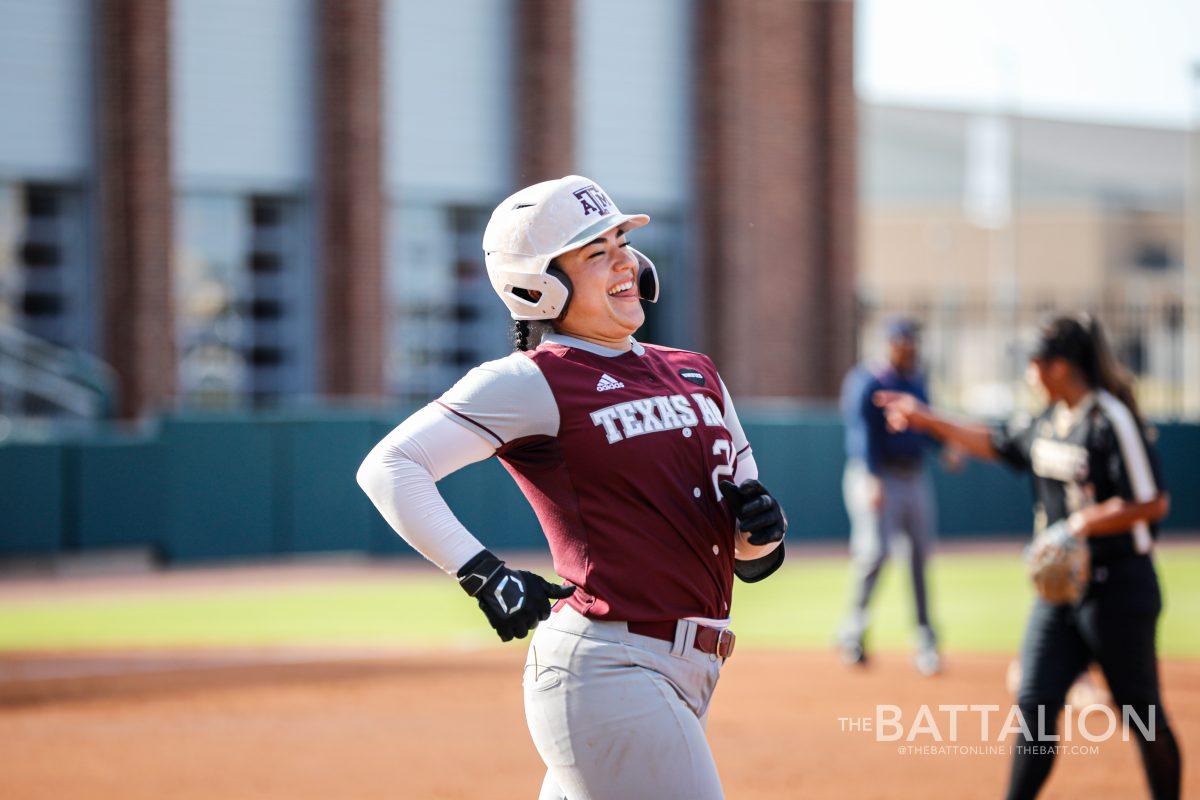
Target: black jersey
x,y
1083,456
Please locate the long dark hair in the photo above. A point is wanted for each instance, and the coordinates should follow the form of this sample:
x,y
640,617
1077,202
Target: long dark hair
x,y
1080,340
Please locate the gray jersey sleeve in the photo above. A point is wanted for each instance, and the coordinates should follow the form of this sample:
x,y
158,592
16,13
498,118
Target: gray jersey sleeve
x,y
503,400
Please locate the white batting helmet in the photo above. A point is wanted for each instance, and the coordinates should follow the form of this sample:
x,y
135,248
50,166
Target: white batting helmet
x,y
545,220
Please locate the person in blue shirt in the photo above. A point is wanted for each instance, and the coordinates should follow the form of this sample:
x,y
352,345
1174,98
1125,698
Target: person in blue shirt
x,y
888,492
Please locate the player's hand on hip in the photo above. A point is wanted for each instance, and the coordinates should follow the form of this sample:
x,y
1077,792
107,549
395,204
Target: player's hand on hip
x,y
514,601
758,513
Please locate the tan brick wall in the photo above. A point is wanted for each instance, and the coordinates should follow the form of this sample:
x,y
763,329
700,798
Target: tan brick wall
x,y
350,194
933,254
775,169
545,89
134,198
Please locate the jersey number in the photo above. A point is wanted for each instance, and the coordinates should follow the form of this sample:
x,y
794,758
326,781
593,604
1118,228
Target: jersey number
x,y
722,447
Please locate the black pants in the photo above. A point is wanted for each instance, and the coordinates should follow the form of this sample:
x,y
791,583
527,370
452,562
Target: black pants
x,y
1114,625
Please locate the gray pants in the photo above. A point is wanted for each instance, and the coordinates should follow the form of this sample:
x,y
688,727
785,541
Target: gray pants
x,y
909,509
618,715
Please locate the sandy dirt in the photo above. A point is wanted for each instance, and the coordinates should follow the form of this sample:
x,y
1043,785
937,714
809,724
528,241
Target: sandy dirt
x,y
361,724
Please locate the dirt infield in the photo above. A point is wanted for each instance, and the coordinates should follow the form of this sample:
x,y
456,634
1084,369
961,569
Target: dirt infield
x,y
296,724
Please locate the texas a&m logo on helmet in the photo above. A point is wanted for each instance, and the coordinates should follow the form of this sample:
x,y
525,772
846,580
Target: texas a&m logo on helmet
x,y
592,199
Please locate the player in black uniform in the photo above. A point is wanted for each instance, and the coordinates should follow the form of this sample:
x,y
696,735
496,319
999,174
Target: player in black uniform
x,y
1094,472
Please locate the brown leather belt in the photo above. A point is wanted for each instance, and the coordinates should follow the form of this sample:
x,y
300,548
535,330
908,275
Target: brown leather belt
x,y
713,641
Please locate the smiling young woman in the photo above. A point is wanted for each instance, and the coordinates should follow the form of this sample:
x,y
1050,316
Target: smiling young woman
x,y
646,489
605,305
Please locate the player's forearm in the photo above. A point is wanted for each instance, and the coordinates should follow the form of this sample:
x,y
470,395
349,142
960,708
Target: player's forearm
x,y
1117,515
405,494
970,437
399,476
744,551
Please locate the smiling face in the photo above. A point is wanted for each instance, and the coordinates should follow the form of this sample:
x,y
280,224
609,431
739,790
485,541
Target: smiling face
x,y
605,306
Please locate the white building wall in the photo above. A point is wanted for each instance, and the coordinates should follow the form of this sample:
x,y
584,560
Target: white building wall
x,y
448,100
632,78
243,94
45,89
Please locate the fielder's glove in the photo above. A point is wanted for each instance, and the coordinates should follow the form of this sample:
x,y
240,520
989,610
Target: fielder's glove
x,y
1059,564
514,601
758,513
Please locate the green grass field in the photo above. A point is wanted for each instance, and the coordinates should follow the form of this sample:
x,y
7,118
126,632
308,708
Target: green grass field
x,y
980,602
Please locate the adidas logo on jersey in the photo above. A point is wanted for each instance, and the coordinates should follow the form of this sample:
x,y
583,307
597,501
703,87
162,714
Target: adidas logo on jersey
x,y
608,382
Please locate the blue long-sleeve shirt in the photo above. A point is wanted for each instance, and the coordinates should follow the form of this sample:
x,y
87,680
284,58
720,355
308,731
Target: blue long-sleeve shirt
x,y
867,435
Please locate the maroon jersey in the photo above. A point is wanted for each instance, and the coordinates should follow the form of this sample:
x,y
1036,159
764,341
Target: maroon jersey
x,y
624,482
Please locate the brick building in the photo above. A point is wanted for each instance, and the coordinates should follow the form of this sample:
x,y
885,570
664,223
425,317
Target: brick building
x,y
246,203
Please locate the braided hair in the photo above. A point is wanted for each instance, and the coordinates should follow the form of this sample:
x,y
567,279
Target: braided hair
x,y
527,335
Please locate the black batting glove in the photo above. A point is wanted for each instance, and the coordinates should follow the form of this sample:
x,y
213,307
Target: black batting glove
x,y
514,601
758,513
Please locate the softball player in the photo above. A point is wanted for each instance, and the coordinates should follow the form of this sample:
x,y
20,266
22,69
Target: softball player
x,y
1094,473
626,451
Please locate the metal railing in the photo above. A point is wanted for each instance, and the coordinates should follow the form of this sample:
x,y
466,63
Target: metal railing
x,y
41,379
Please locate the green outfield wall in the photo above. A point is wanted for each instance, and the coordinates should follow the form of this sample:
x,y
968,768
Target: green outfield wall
x,y
203,487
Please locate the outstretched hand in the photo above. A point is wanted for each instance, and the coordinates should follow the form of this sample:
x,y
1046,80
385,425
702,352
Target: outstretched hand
x,y
902,411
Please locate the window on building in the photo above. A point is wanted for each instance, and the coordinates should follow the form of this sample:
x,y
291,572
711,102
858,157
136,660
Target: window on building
x,y
43,262
244,299
443,316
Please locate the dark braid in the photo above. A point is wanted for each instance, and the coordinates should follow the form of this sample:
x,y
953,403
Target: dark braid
x,y
527,335
520,334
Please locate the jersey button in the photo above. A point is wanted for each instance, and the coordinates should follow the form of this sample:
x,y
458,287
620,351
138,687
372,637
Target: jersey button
x,y
716,550
696,493
687,433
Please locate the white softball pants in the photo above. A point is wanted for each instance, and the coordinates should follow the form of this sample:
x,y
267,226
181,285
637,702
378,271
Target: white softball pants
x,y
619,716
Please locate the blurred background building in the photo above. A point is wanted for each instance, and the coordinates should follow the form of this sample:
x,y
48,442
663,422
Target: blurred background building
x,y
982,223
254,226
245,203
232,204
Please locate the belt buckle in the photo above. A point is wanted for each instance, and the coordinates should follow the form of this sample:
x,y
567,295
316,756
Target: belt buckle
x,y
725,642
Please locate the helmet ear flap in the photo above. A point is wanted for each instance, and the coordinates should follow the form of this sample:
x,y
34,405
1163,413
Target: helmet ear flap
x,y
558,272
647,277
531,296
